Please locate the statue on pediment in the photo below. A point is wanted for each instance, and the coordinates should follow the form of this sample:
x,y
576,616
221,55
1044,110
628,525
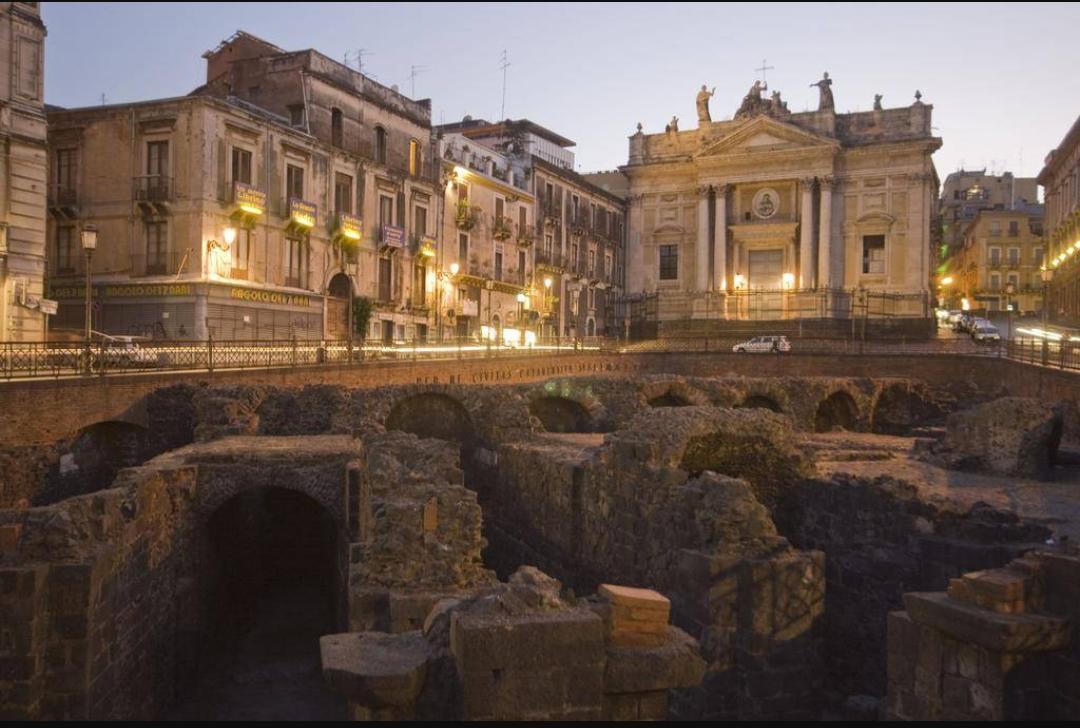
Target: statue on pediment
x,y
752,103
777,106
877,102
703,103
825,87
673,125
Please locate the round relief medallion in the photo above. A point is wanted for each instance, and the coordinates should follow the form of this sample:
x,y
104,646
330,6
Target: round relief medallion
x,y
766,203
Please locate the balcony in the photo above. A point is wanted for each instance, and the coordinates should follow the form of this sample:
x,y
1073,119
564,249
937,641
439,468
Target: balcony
x,y
502,228
153,193
550,259
64,201
165,263
466,216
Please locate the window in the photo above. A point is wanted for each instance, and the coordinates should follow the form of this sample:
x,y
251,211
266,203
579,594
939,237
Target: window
x,y
592,298
521,267
549,243
156,241
1038,253
573,254
574,204
241,253
419,287
67,169
592,262
873,254
337,128
995,228
65,249
1014,256
343,195
607,266
415,165
995,256
294,182
995,281
296,115
380,145
386,211
1013,279
463,247
296,262
500,207
1014,228
419,221
241,165
669,262
29,67
523,220
385,278
498,265
157,159
549,193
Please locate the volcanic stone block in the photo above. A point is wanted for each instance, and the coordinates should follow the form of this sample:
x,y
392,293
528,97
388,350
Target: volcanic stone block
x,y
539,664
992,630
1010,435
635,617
375,670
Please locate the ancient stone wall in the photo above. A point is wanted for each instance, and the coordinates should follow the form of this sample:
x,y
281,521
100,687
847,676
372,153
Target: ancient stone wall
x,y
882,539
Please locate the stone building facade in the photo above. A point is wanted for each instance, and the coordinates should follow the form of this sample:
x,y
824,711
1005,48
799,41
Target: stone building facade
x,y
965,192
485,270
23,315
779,215
999,262
578,241
321,178
1060,179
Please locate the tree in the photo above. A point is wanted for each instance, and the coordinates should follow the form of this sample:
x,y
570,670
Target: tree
x,y
361,311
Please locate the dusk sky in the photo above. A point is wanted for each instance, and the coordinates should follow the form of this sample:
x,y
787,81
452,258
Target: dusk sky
x,y
1002,78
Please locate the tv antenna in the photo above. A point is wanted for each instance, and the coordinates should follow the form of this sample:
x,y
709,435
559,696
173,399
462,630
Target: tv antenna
x,y
358,57
414,71
504,64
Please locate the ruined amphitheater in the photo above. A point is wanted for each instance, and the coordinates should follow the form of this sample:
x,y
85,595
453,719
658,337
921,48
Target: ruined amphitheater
x,y
623,547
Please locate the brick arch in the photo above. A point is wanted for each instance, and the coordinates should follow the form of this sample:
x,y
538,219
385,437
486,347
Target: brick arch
x,y
838,409
562,405
432,413
218,485
674,394
760,400
898,408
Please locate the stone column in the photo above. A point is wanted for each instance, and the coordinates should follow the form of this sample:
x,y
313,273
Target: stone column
x,y
703,240
825,251
806,235
720,245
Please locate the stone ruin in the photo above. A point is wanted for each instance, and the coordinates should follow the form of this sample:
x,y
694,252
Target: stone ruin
x,y
576,549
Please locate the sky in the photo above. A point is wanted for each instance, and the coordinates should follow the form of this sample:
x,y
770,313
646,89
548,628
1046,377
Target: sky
x,y
1001,77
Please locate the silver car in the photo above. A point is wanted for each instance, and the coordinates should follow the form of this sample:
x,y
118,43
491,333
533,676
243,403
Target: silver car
x,y
763,344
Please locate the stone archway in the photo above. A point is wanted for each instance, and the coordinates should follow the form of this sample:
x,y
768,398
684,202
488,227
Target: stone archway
x,y
561,414
837,411
760,401
433,414
899,409
272,584
94,458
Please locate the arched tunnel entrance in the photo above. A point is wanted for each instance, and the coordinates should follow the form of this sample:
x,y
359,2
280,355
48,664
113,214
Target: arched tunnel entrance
x,y
837,411
433,414
760,401
93,459
561,414
271,581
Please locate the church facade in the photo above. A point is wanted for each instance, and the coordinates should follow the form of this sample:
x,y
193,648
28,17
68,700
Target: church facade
x,y
776,215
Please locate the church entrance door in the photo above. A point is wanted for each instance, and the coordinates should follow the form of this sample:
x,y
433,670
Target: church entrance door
x,y
765,282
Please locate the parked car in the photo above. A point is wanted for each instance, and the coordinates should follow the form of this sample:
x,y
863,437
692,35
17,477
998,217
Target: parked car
x,y
964,323
985,332
121,352
763,343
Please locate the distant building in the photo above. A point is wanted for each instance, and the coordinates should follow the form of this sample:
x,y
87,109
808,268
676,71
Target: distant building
x,y
325,177
1060,179
775,215
578,240
24,311
963,195
999,261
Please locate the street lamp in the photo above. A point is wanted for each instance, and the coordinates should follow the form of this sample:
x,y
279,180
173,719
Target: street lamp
x,y
548,308
230,236
1047,276
89,244
521,316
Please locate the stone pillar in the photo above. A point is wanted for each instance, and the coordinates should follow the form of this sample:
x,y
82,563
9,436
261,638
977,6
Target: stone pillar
x,y
703,241
806,235
201,329
719,281
825,250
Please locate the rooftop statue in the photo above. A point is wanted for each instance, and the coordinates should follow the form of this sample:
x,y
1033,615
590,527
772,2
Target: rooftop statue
x,y
703,103
824,86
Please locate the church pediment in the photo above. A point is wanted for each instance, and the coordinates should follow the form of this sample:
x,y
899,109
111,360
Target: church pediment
x,y
763,134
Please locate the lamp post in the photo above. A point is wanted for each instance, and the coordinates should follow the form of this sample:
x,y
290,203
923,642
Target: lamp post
x,y
89,244
1010,291
548,308
1047,276
521,316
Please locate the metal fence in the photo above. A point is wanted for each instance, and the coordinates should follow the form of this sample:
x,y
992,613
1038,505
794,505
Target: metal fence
x,y
39,360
